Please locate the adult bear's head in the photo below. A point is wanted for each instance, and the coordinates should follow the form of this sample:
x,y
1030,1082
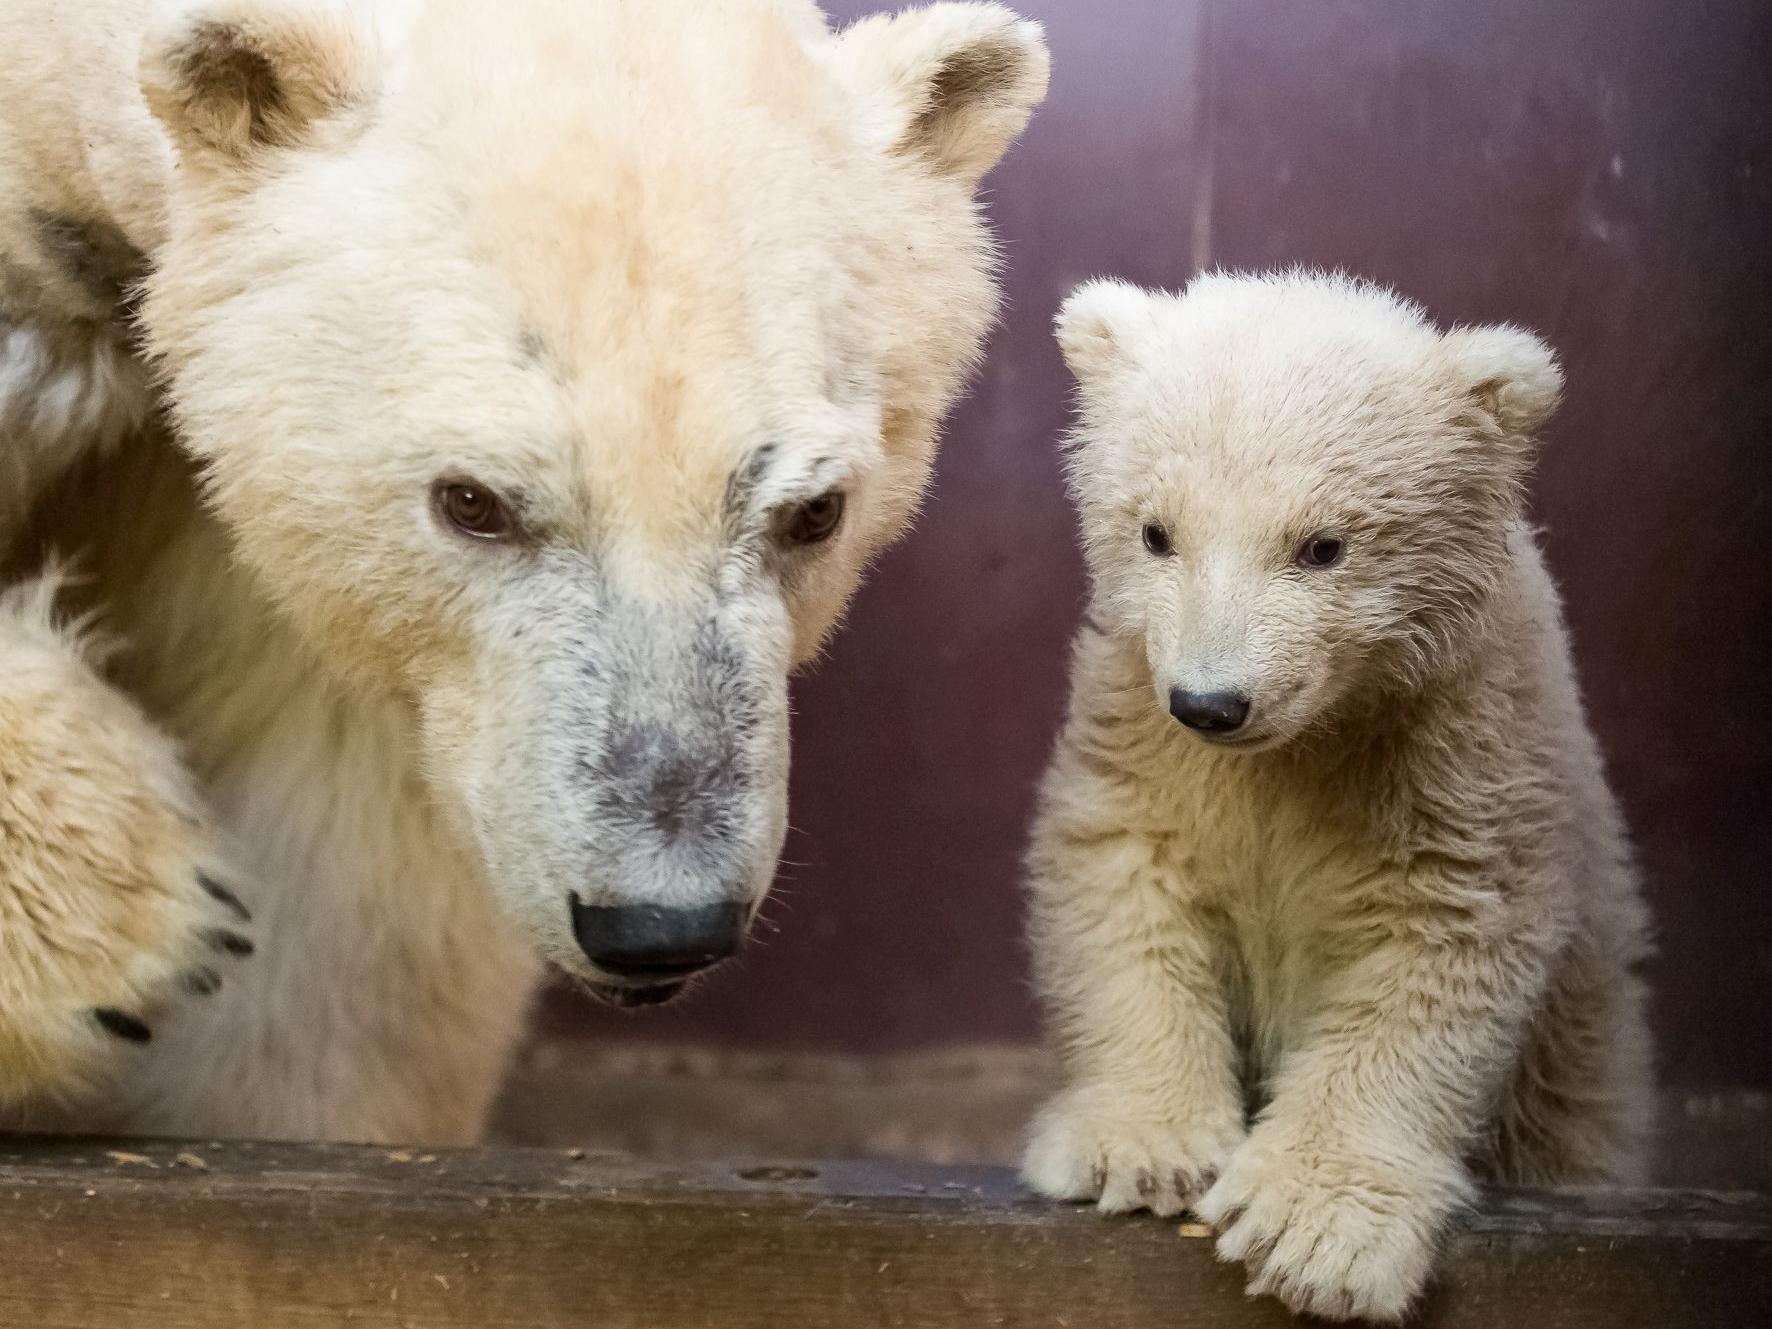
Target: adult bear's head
x,y
558,365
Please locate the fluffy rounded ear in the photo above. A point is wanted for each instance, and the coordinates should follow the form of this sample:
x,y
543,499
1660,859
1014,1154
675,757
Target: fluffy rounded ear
x,y
954,83
1102,324
1509,373
231,77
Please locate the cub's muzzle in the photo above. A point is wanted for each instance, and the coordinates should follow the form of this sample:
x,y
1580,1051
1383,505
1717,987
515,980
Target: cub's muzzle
x,y
1209,714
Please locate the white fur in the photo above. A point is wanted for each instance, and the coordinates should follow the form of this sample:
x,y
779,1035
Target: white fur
x,y
654,272
1398,919
57,409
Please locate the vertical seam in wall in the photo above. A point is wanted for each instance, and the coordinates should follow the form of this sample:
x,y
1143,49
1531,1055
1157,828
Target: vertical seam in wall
x,y
1205,154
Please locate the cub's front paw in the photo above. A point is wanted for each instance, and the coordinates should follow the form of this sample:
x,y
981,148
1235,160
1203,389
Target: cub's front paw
x,y
113,901
1332,1234
1085,1148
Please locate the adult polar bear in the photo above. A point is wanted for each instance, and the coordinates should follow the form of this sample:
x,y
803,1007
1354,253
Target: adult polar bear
x,y
551,370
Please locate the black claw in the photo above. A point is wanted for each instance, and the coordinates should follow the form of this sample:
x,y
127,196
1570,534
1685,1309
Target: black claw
x,y
123,1026
222,893
231,942
203,982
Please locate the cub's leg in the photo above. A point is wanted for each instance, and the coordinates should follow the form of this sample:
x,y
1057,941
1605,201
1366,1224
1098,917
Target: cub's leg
x,y
1153,1104
1337,1200
112,902
1580,1108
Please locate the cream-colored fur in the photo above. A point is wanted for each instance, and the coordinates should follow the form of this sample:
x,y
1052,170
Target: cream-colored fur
x,y
1315,978
660,273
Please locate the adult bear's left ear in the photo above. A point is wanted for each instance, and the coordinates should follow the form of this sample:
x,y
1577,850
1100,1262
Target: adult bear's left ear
x,y
954,83
231,78
1510,375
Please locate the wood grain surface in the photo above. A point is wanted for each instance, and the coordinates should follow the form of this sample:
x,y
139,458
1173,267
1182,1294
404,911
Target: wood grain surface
x,y
202,1236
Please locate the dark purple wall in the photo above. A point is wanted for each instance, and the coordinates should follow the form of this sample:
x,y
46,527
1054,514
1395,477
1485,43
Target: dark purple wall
x,y
1600,172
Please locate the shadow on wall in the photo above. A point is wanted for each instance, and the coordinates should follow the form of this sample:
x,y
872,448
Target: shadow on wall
x,y
1601,173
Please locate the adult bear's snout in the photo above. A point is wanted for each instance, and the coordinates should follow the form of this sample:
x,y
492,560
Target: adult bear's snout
x,y
653,944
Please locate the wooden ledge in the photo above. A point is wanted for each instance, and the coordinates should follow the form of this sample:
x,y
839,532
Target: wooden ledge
x,y
207,1236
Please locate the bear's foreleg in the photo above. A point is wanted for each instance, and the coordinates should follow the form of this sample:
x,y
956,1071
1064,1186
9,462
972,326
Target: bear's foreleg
x,y
1153,1104
1337,1200
1580,1108
113,901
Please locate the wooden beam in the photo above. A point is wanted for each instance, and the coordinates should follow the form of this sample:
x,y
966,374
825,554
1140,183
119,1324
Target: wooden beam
x,y
100,1234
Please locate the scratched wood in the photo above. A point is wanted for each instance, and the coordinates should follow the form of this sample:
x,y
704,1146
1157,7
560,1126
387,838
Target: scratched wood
x,y
205,1236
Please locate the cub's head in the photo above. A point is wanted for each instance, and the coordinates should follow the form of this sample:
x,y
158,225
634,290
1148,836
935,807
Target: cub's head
x,y
1294,488
557,366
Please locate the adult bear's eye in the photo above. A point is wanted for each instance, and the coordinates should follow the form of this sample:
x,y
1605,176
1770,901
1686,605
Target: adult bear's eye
x,y
1156,539
814,521
474,510
1319,551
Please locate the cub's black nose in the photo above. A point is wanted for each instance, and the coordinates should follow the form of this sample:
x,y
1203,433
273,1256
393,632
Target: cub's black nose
x,y
1216,713
651,944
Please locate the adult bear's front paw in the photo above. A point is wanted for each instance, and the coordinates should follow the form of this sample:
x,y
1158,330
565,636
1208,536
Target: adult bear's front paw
x,y
1088,1145
1331,1233
113,900
105,919
221,931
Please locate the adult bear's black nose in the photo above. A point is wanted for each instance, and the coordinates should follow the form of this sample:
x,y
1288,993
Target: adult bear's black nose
x,y
1214,713
653,944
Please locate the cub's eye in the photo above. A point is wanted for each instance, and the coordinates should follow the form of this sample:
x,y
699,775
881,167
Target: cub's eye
x,y
1156,539
474,510
812,522
1319,551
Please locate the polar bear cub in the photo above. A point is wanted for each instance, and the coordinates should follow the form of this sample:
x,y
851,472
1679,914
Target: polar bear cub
x,y
1332,909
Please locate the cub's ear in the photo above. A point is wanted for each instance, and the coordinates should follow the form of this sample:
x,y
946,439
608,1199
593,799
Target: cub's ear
x,y
1102,325
954,83
229,78
1510,374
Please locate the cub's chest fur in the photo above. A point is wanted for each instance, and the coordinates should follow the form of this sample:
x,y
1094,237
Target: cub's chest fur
x,y
1274,858
1273,837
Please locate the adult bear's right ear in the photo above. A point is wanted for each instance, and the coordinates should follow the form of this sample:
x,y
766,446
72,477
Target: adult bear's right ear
x,y
231,78
953,83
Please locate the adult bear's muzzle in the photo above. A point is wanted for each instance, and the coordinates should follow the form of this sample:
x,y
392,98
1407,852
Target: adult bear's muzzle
x,y
652,945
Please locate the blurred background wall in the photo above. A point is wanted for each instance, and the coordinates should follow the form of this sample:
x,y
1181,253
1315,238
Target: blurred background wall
x,y
1599,172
